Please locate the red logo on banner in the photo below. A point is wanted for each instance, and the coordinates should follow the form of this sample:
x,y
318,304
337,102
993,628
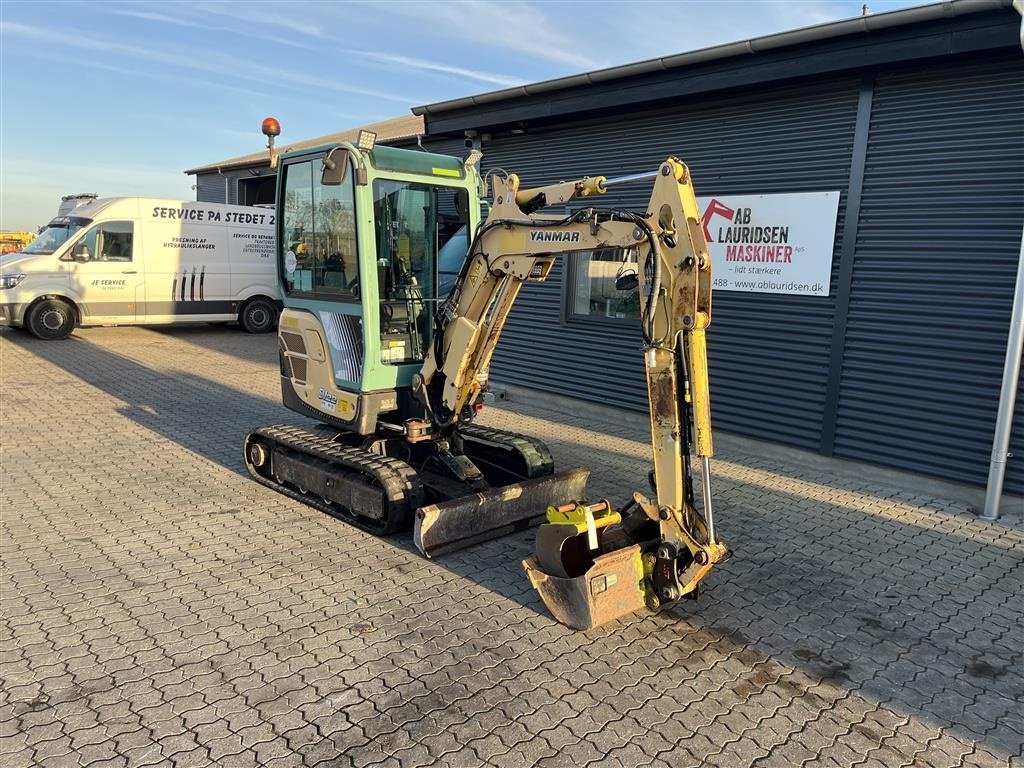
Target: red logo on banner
x,y
714,207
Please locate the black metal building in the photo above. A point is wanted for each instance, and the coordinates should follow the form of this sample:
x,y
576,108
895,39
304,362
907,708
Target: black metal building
x,y
916,117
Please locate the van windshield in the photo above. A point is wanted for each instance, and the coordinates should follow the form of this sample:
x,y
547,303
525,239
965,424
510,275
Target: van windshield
x,y
55,235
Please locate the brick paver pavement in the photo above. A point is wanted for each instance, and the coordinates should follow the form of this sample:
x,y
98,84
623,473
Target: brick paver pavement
x,y
159,608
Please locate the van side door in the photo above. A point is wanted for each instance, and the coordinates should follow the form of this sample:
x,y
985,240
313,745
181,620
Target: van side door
x,y
106,273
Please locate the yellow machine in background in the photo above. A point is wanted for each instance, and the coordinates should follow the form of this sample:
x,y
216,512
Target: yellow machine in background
x,y
10,242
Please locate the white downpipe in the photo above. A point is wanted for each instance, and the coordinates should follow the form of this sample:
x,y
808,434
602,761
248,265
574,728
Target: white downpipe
x,y
1011,373
221,173
1007,397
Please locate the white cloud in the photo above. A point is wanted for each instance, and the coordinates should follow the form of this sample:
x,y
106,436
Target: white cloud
x,y
280,17
211,62
564,37
169,77
447,69
524,29
644,30
182,20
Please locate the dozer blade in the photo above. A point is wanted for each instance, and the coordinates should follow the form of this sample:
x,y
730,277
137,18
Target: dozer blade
x,y
467,520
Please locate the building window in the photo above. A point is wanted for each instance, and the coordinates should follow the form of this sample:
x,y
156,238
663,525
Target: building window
x,y
260,190
592,285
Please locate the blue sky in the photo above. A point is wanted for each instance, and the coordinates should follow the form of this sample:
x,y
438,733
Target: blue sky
x,y
120,98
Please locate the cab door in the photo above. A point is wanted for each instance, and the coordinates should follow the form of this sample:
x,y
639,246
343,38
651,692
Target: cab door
x,y
107,273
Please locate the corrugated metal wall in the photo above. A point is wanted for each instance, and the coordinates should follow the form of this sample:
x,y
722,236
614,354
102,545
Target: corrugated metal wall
x,y
938,238
214,188
769,353
937,247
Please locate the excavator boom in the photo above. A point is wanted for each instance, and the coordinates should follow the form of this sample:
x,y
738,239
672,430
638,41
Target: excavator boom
x,y
515,246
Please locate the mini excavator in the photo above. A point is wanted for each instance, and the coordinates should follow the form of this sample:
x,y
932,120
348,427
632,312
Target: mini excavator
x,y
396,289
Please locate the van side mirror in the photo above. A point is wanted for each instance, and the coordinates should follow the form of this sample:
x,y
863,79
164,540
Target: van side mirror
x,y
335,167
80,253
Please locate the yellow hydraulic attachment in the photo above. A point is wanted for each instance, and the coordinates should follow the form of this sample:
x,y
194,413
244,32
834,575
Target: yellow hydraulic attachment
x,y
568,542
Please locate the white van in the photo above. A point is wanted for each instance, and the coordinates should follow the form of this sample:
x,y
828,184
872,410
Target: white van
x,y
131,261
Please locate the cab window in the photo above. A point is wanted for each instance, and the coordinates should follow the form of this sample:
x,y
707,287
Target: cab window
x,y
412,229
109,241
318,238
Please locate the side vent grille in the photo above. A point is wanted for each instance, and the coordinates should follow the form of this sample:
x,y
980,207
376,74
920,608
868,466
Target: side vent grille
x,y
298,368
293,342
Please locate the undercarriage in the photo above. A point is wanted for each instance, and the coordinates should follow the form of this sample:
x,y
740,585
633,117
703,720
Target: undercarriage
x,y
478,482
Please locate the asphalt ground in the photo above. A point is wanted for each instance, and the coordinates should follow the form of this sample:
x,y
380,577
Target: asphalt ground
x,y
158,607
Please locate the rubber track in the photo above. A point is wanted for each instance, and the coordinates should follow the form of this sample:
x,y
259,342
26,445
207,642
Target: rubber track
x,y
399,481
534,452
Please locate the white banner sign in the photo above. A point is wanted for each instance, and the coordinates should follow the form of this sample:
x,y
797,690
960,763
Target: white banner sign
x,y
771,243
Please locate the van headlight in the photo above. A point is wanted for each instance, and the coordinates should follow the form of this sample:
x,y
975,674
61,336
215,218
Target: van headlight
x,y
9,281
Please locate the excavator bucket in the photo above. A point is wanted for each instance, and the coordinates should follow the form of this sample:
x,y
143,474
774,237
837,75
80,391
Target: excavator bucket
x,y
467,520
588,567
610,588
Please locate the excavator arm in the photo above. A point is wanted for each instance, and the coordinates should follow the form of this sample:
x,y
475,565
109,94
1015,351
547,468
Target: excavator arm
x,y
514,245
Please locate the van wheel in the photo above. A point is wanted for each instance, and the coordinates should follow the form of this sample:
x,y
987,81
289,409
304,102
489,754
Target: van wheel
x,y
258,316
51,319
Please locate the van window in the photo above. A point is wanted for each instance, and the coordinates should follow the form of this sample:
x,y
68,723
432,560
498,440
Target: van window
x,y
318,241
109,241
55,235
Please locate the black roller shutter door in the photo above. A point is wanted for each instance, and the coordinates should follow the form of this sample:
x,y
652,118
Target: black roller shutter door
x,y
769,354
444,146
938,241
209,188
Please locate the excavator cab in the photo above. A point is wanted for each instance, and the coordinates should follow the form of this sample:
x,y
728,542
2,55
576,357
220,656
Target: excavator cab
x,y
371,241
360,259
